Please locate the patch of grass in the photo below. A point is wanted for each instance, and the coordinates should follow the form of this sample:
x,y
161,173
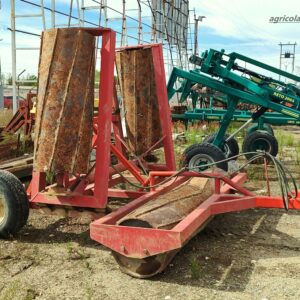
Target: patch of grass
x,y
88,266
195,268
298,154
5,116
7,138
285,139
11,291
50,177
290,140
89,292
194,135
198,130
75,252
30,294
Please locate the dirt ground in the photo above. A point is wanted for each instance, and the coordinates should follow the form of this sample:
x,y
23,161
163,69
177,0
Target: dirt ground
x,y
253,254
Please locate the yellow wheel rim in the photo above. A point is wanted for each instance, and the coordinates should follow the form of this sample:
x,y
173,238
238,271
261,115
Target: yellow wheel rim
x,y
2,209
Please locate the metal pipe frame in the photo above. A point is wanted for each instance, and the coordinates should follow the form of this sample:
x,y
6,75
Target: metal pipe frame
x,y
101,8
216,114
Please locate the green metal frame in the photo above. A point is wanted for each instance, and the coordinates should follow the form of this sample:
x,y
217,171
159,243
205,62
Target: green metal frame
x,y
211,114
257,89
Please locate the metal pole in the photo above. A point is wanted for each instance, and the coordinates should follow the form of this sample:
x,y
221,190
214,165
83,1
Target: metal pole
x,y
200,18
13,55
124,25
53,13
294,53
43,14
79,14
196,37
19,82
280,59
105,12
139,21
239,129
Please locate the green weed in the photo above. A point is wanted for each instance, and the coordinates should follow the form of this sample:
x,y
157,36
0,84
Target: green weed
x,y
195,268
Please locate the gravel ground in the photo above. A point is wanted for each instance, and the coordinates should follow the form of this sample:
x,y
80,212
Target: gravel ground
x,y
248,255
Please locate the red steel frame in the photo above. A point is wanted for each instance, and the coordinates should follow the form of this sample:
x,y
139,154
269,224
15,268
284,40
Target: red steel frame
x,y
92,190
139,243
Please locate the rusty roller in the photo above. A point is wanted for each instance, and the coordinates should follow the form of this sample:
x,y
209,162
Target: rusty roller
x,y
140,99
63,131
163,213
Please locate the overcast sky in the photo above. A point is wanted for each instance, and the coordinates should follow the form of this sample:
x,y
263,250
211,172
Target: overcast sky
x,y
234,25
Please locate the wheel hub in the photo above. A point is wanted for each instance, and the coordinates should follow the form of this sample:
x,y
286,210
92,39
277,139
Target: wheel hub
x,y
199,162
261,144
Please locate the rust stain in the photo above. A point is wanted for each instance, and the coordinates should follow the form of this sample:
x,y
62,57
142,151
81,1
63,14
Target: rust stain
x,y
169,209
65,101
136,75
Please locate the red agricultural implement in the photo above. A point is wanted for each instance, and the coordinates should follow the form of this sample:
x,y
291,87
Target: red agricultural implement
x,y
168,207
23,117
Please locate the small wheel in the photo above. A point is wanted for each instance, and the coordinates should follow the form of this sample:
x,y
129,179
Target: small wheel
x,y
197,156
231,148
260,140
14,205
266,127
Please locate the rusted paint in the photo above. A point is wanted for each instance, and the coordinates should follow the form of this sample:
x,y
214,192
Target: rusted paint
x,y
169,209
64,119
136,75
144,268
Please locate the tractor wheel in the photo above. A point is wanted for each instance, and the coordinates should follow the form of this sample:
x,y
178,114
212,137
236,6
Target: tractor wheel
x,y
197,156
260,140
254,127
14,205
231,148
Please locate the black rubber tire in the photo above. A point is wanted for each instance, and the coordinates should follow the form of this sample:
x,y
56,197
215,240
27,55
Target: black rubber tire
x,y
189,148
15,204
254,127
209,150
231,147
251,140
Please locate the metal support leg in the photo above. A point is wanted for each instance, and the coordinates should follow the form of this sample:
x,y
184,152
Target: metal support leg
x,y
260,124
219,139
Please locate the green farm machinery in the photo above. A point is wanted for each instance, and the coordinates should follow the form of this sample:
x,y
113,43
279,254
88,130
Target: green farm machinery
x,y
272,102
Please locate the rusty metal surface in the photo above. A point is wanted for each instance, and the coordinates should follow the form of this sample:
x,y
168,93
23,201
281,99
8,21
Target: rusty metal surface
x,y
169,209
64,118
136,77
144,268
